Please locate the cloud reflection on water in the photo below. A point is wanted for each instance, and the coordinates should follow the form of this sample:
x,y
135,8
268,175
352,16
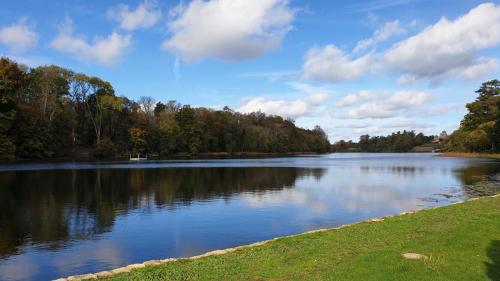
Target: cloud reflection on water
x,y
64,222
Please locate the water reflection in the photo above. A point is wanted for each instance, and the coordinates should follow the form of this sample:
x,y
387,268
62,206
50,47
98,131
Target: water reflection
x,y
472,174
50,208
65,221
406,170
480,180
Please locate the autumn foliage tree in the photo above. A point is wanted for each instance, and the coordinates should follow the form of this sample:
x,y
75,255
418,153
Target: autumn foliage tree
x,y
50,111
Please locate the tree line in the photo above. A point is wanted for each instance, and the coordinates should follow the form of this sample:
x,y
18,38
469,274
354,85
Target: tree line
x,y
50,111
479,130
396,142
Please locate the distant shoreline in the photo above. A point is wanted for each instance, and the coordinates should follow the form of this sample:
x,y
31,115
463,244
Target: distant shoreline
x,y
227,154
243,155
177,156
470,155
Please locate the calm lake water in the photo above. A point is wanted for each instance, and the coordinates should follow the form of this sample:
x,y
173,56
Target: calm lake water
x,y
60,219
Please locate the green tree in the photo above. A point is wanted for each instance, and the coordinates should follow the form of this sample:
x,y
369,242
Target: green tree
x,y
479,129
97,95
167,132
51,111
484,108
495,131
188,140
49,84
13,80
7,116
137,140
477,141
456,142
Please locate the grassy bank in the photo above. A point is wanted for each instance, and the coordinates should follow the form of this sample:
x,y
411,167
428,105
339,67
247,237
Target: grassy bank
x,y
461,241
471,155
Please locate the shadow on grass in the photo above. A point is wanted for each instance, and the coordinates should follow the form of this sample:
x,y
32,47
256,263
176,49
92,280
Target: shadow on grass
x,y
493,267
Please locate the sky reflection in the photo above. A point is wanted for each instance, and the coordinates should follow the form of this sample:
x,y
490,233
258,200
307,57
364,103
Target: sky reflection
x,y
63,222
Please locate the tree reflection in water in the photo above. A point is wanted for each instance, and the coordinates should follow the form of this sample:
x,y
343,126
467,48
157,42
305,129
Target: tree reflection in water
x,y
481,179
52,208
73,218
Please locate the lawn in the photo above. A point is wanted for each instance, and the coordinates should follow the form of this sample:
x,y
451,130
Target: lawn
x,y
461,242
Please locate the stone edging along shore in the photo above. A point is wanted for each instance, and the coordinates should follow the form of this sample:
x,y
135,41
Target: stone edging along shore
x,y
129,268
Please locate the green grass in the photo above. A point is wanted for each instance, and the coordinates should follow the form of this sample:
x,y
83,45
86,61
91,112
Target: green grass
x,y
462,242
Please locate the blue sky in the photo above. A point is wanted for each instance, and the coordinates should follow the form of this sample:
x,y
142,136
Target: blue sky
x,y
353,67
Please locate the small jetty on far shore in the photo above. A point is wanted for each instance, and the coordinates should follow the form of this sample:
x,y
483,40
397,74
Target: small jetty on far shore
x,y
138,158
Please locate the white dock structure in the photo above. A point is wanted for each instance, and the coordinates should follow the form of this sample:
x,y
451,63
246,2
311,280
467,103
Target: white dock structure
x,y
138,158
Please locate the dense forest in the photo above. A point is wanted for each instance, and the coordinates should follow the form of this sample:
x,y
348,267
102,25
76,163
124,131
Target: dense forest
x,y
396,142
49,112
480,128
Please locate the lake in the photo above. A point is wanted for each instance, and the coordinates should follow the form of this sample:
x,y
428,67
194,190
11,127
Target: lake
x,y
60,219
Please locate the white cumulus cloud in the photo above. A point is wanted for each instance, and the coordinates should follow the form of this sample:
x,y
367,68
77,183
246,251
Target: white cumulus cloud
x,y
383,106
285,108
448,47
388,30
355,98
313,98
103,50
445,49
479,68
145,15
230,30
331,64
18,37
